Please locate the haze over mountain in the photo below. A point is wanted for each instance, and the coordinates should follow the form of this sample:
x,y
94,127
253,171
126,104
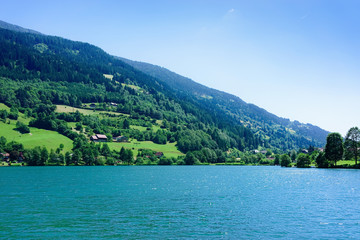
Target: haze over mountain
x,y
207,103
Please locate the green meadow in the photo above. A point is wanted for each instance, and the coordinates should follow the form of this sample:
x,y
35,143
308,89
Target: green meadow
x,y
346,162
108,76
68,109
21,117
143,129
36,137
168,149
131,86
4,107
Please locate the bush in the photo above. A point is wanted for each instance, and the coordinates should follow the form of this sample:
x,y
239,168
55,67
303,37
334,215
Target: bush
x,y
101,160
266,161
3,114
110,161
180,162
22,128
165,161
13,115
285,160
303,161
321,160
139,161
190,158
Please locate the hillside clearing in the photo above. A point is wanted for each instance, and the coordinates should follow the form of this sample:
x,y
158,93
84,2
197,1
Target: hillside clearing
x,y
108,76
131,86
68,109
154,128
4,107
168,149
37,137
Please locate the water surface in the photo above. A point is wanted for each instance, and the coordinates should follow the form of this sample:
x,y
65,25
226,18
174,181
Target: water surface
x,y
178,202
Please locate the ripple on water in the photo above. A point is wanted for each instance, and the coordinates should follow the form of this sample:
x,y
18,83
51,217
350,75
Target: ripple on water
x,y
205,202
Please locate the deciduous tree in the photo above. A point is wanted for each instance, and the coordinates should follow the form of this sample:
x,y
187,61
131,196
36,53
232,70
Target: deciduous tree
x,y
285,160
321,160
303,161
352,140
334,148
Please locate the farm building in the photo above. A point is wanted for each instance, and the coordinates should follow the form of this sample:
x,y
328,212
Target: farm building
x,y
159,154
98,138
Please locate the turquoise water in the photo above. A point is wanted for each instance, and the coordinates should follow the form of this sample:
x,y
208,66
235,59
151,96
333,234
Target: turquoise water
x,y
178,202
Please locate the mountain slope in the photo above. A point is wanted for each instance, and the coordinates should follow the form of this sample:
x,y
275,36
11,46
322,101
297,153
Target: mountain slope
x,y
39,69
267,125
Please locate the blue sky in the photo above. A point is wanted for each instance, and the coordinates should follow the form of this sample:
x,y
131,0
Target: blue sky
x,y
297,59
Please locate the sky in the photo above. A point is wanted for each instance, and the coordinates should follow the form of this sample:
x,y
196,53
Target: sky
x,y
298,59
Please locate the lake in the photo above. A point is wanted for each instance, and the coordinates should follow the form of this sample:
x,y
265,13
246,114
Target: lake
x,y
179,202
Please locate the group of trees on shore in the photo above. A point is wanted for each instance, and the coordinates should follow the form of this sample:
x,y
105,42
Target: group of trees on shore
x,y
336,149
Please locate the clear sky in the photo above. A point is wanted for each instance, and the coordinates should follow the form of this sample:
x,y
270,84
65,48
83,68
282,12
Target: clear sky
x,y
298,59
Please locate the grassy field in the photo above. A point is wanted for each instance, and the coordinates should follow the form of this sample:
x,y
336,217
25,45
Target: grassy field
x,y
68,109
71,124
37,137
131,86
143,129
21,117
109,76
169,149
140,128
346,162
4,107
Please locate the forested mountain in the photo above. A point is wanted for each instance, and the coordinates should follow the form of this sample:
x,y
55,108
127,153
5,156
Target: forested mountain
x,y
16,28
273,130
38,72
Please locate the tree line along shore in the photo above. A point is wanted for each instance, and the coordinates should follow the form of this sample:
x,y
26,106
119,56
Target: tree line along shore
x,y
338,153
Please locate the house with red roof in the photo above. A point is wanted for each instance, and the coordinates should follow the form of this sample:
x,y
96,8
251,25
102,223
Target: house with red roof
x,y
99,138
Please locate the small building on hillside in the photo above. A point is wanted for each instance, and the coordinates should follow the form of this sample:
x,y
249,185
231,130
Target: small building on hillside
x,y
159,154
94,138
304,151
5,156
98,138
120,139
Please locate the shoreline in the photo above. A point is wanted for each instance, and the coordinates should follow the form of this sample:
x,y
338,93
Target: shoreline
x,y
5,164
